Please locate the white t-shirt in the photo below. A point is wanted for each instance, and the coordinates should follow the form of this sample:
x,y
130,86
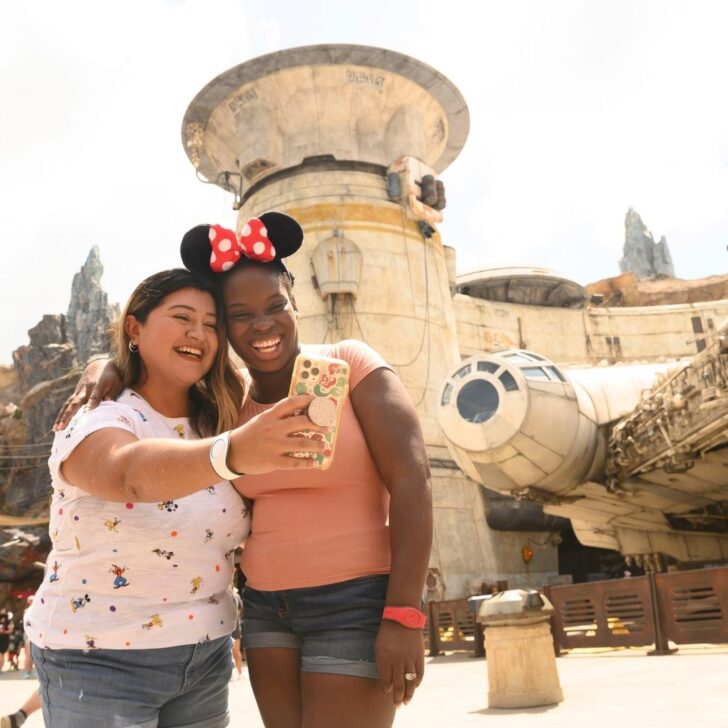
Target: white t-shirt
x,y
135,575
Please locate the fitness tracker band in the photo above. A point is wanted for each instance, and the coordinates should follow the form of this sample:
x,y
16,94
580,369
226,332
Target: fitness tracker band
x,y
218,457
406,616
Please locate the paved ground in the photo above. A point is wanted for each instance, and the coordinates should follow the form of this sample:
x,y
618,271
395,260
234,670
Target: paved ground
x,y
611,689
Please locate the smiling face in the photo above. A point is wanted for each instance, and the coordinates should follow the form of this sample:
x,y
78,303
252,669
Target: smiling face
x,y
261,318
178,340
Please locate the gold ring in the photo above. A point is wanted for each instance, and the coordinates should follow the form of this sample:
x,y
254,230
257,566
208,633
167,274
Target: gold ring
x,y
410,676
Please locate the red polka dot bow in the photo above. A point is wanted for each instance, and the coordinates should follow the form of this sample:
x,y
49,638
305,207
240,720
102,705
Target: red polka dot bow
x,y
227,247
267,238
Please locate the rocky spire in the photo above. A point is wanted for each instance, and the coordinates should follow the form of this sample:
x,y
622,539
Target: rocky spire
x,y
47,370
89,315
642,256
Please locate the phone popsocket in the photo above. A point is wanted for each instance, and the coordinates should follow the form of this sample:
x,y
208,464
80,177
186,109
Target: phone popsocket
x,y
327,380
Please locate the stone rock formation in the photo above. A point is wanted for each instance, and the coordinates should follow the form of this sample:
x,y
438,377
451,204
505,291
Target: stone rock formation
x,y
48,355
626,290
89,315
642,255
45,373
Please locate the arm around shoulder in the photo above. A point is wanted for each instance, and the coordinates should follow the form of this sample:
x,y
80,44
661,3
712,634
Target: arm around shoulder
x,y
100,381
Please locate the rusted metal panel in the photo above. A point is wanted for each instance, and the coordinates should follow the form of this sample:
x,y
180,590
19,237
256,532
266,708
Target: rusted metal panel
x,y
693,605
603,614
689,607
452,627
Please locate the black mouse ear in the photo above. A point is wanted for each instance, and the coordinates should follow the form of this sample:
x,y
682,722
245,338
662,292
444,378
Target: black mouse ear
x,y
283,231
195,249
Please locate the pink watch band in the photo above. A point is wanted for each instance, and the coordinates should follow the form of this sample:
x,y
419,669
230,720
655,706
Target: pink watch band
x,y
406,616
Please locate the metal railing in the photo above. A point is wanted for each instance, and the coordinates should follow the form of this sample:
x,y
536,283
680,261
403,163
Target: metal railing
x,y
693,606
684,607
614,613
451,627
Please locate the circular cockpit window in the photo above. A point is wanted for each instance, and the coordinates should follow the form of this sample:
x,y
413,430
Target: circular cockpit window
x,y
477,401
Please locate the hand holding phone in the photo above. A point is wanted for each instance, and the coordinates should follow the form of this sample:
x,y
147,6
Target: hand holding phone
x,y
327,380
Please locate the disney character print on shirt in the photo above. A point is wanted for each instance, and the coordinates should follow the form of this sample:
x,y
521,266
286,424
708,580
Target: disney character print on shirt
x,y
154,621
111,525
118,572
79,602
54,569
144,575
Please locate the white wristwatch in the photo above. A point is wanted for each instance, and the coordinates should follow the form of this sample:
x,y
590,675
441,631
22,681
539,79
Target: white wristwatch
x,y
218,457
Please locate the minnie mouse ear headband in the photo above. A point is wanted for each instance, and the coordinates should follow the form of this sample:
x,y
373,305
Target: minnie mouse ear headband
x,y
266,239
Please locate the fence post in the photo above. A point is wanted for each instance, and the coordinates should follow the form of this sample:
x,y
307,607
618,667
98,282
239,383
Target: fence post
x,y
434,632
661,645
479,634
552,622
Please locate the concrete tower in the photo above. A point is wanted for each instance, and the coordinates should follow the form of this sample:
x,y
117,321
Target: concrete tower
x,y
349,140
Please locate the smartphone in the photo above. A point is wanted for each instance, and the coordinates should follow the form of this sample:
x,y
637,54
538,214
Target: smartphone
x,y
327,379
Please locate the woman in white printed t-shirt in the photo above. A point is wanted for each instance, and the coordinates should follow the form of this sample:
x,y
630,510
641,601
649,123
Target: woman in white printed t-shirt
x,y
131,624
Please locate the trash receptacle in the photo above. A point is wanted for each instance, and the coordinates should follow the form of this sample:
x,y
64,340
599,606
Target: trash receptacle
x,y
519,650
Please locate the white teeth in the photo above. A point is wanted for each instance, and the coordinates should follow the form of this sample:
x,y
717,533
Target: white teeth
x,y
267,344
189,350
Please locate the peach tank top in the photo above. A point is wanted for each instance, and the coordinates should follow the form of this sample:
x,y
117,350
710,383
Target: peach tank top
x,y
320,527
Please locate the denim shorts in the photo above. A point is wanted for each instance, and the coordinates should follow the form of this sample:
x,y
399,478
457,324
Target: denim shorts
x,y
334,626
169,687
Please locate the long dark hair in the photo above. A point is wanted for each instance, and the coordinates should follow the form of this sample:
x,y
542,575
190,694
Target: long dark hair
x,y
216,398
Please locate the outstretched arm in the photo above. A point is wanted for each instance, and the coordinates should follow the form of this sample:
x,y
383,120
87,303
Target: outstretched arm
x,y
115,465
392,430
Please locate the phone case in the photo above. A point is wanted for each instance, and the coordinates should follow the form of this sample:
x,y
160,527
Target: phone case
x,y
327,379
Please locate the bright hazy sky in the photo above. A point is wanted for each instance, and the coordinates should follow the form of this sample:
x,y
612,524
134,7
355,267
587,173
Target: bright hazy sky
x,y
578,111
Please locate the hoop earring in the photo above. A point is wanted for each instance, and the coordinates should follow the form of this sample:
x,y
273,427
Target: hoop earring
x,y
133,348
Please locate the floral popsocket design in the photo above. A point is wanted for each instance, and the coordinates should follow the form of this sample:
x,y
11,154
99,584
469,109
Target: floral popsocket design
x,y
265,239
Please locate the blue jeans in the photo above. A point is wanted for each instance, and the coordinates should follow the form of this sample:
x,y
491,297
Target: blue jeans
x,y
334,626
170,687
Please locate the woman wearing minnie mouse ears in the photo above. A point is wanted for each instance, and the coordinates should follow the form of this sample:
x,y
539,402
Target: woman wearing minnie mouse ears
x,y
336,560
131,625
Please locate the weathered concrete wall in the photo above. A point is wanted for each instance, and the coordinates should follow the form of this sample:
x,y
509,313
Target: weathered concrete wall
x,y
466,549
585,336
